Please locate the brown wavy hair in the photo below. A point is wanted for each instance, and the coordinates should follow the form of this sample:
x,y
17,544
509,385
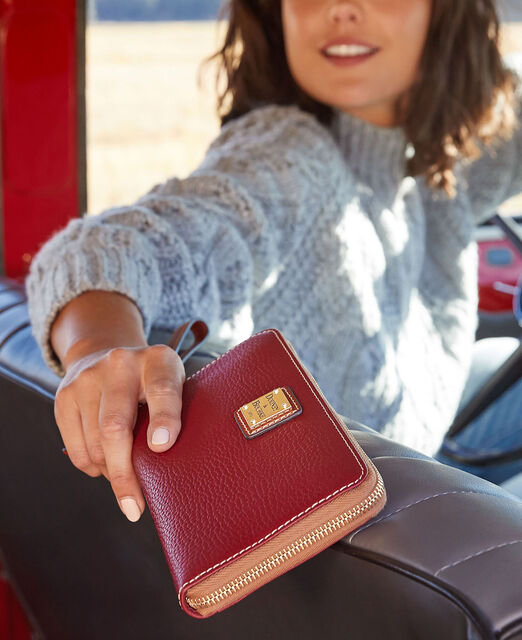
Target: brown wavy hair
x,y
463,98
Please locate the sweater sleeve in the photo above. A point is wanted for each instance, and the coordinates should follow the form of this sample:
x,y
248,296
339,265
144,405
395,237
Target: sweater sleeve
x,y
207,245
497,175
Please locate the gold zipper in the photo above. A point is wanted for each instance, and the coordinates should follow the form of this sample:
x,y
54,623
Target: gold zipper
x,y
289,551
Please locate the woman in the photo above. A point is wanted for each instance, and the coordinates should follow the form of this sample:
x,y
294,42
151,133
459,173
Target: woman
x,y
337,203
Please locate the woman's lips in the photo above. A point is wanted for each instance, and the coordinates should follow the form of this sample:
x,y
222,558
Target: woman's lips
x,y
349,61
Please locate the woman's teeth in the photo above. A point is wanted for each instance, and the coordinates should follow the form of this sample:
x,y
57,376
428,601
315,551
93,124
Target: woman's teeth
x,y
348,50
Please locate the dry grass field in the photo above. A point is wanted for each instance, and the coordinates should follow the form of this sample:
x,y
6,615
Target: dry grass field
x,y
146,118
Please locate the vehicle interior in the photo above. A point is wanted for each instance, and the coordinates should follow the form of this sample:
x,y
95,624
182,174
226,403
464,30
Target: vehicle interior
x,y
442,560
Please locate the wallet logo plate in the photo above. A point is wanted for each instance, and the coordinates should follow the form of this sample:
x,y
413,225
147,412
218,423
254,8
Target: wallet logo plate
x,y
268,411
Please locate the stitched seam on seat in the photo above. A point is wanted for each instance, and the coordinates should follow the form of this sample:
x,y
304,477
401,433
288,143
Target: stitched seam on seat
x,y
443,493
474,555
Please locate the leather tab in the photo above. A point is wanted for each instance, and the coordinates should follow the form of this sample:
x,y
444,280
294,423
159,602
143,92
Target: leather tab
x,y
200,331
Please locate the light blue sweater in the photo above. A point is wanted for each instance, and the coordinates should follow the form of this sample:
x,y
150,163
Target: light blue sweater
x,y
313,230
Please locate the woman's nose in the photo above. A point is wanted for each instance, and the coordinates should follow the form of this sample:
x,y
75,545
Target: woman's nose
x,y
344,11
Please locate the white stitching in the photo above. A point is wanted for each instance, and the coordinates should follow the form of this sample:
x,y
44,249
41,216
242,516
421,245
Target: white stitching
x,y
341,433
388,515
474,555
405,458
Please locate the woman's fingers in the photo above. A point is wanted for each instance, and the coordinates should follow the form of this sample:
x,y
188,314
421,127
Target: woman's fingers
x,y
118,410
163,378
96,408
92,436
89,416
72,433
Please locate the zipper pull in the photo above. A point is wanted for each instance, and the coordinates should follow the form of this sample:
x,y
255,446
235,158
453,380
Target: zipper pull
x,y
200,331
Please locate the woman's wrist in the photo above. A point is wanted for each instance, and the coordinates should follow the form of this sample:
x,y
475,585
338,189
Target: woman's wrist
x,y
87,346
93,321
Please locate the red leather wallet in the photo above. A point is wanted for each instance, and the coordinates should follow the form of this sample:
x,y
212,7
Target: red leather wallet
x,y
264,473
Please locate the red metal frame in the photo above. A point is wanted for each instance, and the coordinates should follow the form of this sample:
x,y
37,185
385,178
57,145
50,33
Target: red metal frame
x,y
42,154
13,623
490,299
42,83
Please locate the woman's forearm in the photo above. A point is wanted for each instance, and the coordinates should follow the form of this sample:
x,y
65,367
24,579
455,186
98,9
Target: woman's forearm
x,y
93,321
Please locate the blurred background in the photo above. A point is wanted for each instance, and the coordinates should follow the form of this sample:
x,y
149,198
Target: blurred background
x,y
146,118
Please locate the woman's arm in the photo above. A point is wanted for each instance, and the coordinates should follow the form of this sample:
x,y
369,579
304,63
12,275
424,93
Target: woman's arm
x,y
206,245
93,321
95,405
83,257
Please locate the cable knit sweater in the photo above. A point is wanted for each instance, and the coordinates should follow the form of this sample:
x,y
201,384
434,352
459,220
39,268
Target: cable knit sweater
x,y
314,230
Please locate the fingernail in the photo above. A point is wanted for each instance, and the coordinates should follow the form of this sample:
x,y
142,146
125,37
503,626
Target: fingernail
x,y
160,436
130,508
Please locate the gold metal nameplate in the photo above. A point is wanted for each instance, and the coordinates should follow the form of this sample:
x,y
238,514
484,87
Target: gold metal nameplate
x,y
267,411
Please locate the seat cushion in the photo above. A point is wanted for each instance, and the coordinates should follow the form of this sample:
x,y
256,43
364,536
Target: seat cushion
x,y
514,485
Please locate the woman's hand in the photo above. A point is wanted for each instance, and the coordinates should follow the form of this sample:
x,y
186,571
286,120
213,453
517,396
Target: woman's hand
x,y
96,407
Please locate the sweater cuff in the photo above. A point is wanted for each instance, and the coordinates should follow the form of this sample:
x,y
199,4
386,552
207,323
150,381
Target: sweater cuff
x,y
63,269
